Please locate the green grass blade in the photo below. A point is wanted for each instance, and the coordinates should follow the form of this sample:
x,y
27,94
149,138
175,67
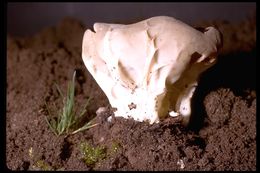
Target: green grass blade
x,y
66,116
84,108
49,112
58,122
61,122
71,94
68,107
85,127
51,126
59,91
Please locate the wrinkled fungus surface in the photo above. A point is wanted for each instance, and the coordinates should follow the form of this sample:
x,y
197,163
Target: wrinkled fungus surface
x,y
149,69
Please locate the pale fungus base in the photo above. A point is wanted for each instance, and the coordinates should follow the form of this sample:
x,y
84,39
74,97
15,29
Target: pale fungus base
x,y
222,135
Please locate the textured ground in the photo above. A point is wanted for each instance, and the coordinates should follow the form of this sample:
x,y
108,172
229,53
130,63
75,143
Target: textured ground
x,y
222,135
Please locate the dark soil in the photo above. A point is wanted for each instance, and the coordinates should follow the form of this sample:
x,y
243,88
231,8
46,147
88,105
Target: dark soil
x,y
221,136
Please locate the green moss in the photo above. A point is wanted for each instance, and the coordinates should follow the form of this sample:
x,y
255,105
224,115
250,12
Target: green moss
x,y
92,155
42,165
115,147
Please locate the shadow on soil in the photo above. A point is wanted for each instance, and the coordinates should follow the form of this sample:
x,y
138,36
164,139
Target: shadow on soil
x,y
235,71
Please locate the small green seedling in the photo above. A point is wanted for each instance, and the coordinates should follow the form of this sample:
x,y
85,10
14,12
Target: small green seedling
x,y
91,155
42,165
66,120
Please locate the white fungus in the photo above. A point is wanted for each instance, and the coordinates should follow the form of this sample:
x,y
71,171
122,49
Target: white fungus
x,y
149,69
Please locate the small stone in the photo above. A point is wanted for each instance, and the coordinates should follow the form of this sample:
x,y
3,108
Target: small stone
x,y
101,110
180,162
